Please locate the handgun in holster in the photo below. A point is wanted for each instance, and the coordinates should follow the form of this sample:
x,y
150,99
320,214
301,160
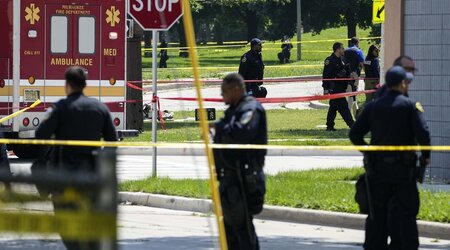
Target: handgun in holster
x,y
369,163
420,171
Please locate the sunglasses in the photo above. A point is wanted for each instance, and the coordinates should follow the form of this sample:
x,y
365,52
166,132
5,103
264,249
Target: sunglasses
x,y
410,69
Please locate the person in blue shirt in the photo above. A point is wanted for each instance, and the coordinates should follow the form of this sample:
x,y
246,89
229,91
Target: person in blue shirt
x,y
354,56
372,70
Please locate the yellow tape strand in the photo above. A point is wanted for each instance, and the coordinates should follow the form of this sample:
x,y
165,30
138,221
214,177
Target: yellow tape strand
x,y
236,67
246,44
190,38
70,225
20,111
219,146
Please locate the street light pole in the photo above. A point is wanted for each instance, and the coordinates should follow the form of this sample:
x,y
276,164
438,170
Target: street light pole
x,y
299,30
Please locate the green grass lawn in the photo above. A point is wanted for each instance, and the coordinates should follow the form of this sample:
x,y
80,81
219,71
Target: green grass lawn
x,y
331,190
284,124
313,53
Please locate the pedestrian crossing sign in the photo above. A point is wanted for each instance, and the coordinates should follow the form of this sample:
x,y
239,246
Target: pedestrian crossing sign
x,y
378,11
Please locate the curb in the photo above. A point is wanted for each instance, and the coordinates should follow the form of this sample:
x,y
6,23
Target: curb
x,y
318,105
294,215
175,85
201,152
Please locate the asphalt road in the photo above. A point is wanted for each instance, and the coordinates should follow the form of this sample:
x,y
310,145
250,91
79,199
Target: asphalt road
x,y
292,89
134,167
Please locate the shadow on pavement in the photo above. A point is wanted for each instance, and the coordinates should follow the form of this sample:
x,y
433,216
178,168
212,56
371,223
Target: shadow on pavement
x,y
201,243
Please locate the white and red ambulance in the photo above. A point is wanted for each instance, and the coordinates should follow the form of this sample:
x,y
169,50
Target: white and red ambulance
x,y
39,39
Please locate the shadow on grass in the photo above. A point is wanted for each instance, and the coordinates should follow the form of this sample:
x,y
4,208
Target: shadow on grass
x,y
173,125
309,134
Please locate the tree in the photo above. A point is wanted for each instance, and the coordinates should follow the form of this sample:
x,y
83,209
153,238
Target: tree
x,y
357,13
280,19
252,12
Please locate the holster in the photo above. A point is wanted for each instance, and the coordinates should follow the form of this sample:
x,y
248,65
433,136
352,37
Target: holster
x,y
369,161
255,186
363,195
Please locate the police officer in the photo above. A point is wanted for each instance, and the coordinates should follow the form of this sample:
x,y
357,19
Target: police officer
x,y
240,172
354,56
407,63
372,70
163,55
252,68
285,55
335,67
393,119
76,117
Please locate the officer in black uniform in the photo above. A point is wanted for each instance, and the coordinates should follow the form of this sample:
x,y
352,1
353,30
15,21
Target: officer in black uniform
x,y
240,172
76,118
252,68
335,67
163,54
392,119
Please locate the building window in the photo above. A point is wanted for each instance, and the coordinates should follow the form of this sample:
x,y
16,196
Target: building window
x,y
86,35
59,34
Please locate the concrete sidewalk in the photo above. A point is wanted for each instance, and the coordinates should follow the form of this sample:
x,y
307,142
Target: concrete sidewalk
x,y
152,228
278,213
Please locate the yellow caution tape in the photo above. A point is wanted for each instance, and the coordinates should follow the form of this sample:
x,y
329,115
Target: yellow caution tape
x,y
70,225
246,44
214,185
220,146
20,111
235,67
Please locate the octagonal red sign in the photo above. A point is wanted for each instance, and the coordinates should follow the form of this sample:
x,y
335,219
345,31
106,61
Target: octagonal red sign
x,y
155,14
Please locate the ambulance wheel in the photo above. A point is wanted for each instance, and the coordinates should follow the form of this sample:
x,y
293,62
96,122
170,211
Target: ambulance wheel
x,y
29,151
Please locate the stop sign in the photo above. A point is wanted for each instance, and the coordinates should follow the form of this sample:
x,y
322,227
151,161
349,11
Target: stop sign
x,y
155,14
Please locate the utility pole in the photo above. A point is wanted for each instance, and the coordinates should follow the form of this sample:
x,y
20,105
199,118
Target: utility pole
x,y
299,30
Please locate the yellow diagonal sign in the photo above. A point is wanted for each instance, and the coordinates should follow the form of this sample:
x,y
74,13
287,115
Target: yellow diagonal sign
x,y
378,11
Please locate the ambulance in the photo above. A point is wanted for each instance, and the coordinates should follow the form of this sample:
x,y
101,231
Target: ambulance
x,y
39,39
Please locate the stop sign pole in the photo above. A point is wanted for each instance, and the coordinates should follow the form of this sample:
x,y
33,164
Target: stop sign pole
x,y
154,99
155,15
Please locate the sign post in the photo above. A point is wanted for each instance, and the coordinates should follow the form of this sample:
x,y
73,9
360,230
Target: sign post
x,y
154,99
155,15
378,14
299,30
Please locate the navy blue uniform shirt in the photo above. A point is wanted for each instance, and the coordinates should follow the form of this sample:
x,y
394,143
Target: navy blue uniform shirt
x,y
78,118
252,66
372,67
392,119
335,67
244,123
